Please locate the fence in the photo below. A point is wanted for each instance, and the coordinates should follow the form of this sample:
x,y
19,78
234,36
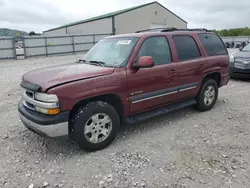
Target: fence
x,y
54,45
48,45
7,48
236,39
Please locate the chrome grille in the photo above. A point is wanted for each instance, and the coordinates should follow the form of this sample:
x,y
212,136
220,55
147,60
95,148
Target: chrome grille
x,y
30,94
242,63
28,105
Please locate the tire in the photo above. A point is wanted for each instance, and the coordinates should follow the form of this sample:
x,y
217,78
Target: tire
x,y
88,122
203,104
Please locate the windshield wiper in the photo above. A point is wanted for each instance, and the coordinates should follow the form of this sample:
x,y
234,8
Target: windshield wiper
x,y
98,62
82,60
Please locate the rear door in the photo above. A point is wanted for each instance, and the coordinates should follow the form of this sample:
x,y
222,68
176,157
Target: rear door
x,y
190,65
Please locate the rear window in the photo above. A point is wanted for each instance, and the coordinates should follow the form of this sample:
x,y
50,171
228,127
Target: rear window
x,y
213,44
186,47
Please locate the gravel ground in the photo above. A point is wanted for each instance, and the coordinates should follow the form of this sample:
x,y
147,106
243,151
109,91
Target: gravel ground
x,y
182,149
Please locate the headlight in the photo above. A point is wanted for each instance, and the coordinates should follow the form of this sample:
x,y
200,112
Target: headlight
x,y
46,97
231,58
239,59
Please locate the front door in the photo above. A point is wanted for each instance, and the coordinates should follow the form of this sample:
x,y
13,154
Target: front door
x,y
155,86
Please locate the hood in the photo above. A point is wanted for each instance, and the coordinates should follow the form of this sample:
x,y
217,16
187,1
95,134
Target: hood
x,y
242,54
60,74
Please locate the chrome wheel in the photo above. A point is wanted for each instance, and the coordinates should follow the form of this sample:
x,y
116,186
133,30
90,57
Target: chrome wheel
x,y
209,95
97,128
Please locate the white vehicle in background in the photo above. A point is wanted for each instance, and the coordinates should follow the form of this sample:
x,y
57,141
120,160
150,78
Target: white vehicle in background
x,y
19,52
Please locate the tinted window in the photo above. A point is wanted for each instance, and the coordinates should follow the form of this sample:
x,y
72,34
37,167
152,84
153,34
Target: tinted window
x,y
186,48
212,44
157,48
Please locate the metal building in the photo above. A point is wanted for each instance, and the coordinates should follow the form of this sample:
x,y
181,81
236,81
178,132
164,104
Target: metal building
x,y
146,16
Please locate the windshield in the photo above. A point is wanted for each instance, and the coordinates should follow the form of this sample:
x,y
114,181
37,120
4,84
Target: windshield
x,y
246,48
111,51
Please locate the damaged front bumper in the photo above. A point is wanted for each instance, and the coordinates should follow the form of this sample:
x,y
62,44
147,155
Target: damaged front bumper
x,y
51,126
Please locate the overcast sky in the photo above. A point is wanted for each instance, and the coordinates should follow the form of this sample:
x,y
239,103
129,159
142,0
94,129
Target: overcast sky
x,y
40,15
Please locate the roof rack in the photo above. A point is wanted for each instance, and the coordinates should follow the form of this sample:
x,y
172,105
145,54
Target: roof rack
x,y
145,30
170,29
194,29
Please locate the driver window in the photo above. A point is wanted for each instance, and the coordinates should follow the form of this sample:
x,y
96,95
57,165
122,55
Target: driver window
x,y
157,48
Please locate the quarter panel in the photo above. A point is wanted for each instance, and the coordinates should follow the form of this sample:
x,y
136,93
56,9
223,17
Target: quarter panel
x,y
216,64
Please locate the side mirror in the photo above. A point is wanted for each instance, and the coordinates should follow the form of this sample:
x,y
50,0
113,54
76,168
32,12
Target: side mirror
x,y
144,62
241,48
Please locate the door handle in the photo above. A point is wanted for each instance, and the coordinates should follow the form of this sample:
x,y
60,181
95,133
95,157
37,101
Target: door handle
x,y
172,71
200,65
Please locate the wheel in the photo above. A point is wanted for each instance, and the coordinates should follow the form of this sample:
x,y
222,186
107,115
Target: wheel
x,y
95,125
208,95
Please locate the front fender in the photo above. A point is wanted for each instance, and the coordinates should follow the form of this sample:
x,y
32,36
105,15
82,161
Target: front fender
x,y
71,93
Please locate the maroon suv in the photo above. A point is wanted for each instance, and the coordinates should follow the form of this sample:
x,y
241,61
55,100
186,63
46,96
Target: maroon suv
x,y
124,78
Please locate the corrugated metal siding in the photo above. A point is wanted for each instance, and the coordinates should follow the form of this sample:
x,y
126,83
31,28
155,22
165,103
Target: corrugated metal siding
x,y
34,46
6,48
164,16
6,54
132,21
51,45
57,32
94,27
142,18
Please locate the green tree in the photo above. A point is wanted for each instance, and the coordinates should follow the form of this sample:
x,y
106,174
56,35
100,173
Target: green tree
x,y
234,32
32,33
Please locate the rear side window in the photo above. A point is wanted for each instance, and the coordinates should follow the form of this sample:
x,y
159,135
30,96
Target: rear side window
x,y
212,44
186,47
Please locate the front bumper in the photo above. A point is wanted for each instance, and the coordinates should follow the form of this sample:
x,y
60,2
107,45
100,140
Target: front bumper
x,y
239,73
51,126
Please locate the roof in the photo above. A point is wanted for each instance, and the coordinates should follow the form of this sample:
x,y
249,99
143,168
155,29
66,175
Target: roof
x,y
112,14
158,33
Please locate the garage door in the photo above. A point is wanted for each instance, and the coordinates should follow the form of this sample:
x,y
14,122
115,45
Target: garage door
x,y
155,26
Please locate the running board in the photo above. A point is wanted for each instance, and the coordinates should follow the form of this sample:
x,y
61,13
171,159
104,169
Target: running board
x,y
159,111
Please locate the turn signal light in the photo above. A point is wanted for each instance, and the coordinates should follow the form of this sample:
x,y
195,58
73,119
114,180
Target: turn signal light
x,y
52,111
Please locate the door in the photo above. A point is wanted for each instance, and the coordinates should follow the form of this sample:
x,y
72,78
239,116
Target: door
x,y
151,87
190,65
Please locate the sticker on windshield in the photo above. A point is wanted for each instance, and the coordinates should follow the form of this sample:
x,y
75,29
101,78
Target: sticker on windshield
x,y
123,42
